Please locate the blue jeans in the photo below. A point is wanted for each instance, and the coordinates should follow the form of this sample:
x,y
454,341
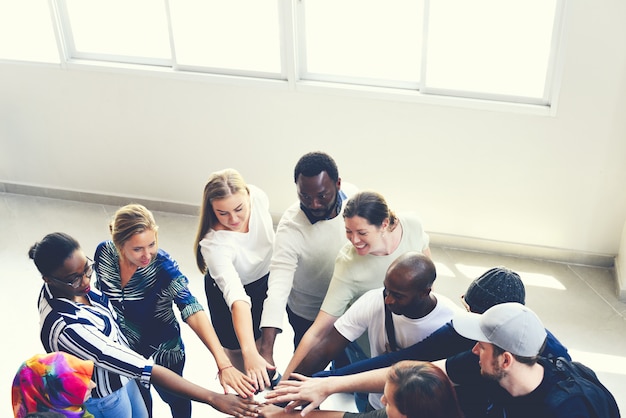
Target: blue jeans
x,y
123,403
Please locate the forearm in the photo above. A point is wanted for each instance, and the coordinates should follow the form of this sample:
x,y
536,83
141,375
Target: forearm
x,y
268,338
200,324
327,348
373,363
176,384
372,381
316,360
321,326
242,323
272,411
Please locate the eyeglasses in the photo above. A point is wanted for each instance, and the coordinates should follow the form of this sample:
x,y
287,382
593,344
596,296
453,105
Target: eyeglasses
x,y
465,305
78,278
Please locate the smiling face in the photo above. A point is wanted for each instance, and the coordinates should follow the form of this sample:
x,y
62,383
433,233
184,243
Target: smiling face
x,y
365,237
233,212
75,269
141,248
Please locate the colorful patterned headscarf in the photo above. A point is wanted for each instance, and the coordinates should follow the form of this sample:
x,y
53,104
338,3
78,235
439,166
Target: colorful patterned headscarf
x,y
52,382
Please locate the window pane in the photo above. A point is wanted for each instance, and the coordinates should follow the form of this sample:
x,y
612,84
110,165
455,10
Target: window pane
x,y
234,34
492,46
26,31
364,38
135,28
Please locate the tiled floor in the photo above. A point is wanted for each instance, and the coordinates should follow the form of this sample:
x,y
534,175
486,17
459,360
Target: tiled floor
x,y
576,303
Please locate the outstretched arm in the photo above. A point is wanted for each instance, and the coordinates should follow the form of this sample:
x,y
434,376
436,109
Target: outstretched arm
x,y
321,326
256,366
273,411
313,391
326,350
229,376
444,342
268,337
229,404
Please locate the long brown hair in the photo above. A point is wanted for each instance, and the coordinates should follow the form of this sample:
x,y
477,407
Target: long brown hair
x,y
220,184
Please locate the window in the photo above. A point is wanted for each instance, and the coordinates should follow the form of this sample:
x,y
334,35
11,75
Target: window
x,y
116,30
502,50
234,36
362,41
489,47
486,49
26,32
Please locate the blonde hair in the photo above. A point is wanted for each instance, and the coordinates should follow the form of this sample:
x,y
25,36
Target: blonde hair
x,y
220,185
130,220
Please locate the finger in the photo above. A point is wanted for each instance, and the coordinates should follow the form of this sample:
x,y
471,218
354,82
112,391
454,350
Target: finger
x,y
293,405
263,379
300,377
278,399
225,388
307,409
288,384
253,379
247,389
243,388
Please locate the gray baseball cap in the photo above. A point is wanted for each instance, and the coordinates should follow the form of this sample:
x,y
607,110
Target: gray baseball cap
x,y
511,326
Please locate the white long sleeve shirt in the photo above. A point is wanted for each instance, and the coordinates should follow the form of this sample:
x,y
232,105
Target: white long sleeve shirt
x,y
303,263
235,259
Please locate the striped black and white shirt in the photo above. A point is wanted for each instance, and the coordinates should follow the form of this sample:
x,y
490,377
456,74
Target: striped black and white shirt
x,y
91,332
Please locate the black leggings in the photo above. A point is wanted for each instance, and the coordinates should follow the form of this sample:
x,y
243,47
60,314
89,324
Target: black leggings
x,y
221,316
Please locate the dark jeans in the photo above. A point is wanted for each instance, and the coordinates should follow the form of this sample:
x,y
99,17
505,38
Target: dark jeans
x,y
180,407
300,326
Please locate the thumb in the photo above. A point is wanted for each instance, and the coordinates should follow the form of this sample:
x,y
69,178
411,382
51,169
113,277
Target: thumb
x,y
225,387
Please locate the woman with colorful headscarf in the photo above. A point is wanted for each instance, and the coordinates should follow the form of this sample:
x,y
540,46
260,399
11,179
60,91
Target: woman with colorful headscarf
x,y
58,382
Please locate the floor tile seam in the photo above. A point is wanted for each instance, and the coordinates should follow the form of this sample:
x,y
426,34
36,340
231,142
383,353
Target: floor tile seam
x,y
605,300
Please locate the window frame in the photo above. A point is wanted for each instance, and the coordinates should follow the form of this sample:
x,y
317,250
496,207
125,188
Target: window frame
x,y
293,65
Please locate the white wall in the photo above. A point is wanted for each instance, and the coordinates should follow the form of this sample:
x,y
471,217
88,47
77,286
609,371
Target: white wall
x,y
544,181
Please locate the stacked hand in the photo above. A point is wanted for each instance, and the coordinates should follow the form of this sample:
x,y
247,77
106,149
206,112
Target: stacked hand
x,y
303,391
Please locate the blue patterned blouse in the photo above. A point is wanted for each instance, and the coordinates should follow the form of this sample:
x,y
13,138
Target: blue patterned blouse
x,y
144,306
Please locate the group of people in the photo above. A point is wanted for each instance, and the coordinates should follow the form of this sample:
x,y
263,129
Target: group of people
x,y
121,336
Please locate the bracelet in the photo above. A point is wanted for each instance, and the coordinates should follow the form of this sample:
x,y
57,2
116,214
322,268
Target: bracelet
x,y
219,372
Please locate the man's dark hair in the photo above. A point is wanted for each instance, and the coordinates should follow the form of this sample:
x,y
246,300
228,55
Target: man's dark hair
x,y
529,361
313,163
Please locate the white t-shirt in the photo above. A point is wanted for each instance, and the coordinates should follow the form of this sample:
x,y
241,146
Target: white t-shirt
x,y
368,314
235,259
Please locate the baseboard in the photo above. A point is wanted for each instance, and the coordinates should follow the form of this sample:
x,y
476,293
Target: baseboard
x,y
620,280
102,199
558,255
437,239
